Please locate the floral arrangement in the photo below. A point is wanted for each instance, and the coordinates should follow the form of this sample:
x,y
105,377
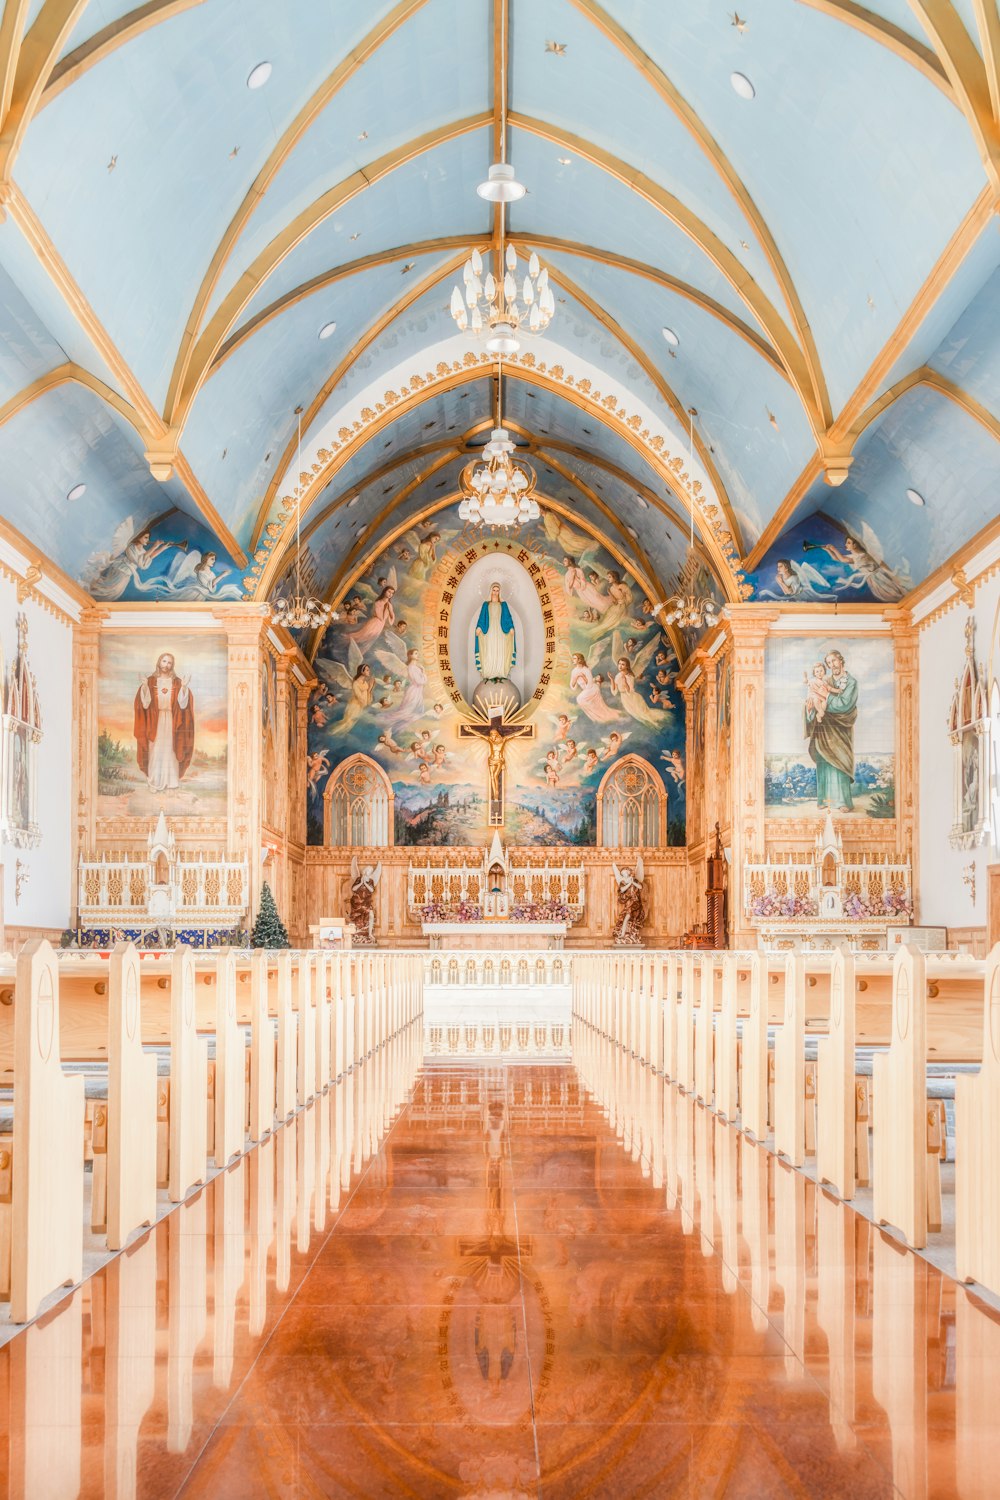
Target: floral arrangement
x,y
893,904
459,911
783,908
540,911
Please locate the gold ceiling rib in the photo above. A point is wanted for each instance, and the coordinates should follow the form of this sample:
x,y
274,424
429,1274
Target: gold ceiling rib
x,y
108,39
315,406
198,360
33,55
988,24
340,273
804,482
888,35
958,559
726,171
12,19
438,385
966,72
665,390
71,373
383,29
600,462
933,380
523,240
708,241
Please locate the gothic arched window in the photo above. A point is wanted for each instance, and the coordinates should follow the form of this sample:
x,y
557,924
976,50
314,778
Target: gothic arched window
x,y
631,806
357,806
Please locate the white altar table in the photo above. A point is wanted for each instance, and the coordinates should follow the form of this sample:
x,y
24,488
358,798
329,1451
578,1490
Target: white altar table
x,y
497,935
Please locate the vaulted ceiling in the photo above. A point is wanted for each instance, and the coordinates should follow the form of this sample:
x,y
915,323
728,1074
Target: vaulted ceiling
x,y
824,254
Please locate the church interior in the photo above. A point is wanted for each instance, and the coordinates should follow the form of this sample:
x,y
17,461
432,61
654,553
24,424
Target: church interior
x,y
499,748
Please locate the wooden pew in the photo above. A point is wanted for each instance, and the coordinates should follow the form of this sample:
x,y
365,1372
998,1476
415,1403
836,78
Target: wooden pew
x,y
789,1067
977,1128
262,1050
188,1083
837,1090
230,1066
899,1187
704,1019
131,1123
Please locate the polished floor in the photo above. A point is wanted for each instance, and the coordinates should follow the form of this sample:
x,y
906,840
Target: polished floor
x,y
503,1280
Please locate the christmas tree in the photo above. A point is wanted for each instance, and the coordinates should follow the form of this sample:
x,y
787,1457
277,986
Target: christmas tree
x,y
268,930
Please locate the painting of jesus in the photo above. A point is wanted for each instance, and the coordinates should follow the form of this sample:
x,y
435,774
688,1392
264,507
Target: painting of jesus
x,y
164,725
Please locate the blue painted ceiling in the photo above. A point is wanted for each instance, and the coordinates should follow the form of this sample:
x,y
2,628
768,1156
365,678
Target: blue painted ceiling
x,y
824,254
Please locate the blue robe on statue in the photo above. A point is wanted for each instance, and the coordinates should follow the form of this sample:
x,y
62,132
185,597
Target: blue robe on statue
x,y
483,625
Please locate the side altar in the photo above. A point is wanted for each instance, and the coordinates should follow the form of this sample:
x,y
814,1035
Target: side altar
x,y
490,902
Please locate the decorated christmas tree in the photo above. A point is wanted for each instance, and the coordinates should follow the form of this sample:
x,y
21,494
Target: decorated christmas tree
x,y
268,930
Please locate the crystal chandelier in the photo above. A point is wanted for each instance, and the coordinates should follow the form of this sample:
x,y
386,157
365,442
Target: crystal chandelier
x,y
299,611
494,303
497,491
687,608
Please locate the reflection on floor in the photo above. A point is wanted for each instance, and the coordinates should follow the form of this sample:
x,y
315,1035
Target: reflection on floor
x,y
497,1280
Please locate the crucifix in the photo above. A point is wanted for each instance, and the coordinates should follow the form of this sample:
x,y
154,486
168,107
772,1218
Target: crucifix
x,y
496,734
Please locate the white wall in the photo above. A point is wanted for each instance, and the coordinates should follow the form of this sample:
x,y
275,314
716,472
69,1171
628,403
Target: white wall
x,y
943,897
45,896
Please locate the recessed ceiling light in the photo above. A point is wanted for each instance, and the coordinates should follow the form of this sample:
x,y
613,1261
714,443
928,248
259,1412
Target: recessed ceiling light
x,y
632,533
914,497
640,501
353,501
327,331
565,161
79,490
742,86
259,75
670,336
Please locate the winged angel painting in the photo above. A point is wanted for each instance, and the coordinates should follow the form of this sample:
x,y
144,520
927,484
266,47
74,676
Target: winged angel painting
x,y
137,565
821,559
380,692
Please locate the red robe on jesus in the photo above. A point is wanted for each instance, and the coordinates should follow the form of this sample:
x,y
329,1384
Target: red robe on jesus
x,y
146,723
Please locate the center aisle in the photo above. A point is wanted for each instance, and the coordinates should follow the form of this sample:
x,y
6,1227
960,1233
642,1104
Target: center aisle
x,y
510,1280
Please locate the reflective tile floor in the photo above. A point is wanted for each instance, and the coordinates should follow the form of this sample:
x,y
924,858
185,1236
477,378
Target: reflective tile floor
x,y
503,1281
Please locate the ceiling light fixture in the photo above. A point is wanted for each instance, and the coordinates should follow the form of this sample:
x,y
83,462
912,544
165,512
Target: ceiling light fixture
x,y
259,75
914,497
670,336
299,611
687,608
77,492
487,302
498,492
742,86
327,331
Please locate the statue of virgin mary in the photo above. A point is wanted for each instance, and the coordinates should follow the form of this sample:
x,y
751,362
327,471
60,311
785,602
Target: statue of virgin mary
x,y
496,646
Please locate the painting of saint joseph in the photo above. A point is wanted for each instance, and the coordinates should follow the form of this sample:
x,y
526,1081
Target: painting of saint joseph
x,y
829,729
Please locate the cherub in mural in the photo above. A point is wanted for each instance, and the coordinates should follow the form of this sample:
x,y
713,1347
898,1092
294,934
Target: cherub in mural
x,y
591,762
163,724
421,552
552,768
640,659
108,574
561,726
797,581
193,577
387,743
673,764
613,744
588,690
317,765
868,567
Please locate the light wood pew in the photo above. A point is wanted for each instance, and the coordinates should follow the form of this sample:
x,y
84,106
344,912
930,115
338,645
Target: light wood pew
x,y
230,1066
306,1069
263,1048
977,1130
899,1185
131,1113
46,1406
726,1081
130,1382
837,1102
685,1024
187,1286
188,1083
704,1018
753,1051
44,1172
789,1067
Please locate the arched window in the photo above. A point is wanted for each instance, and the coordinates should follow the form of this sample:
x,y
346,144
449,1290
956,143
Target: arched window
x,y
631,806
357,806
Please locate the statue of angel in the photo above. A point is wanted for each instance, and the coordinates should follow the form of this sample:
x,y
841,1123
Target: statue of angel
x,y
361,912
631,913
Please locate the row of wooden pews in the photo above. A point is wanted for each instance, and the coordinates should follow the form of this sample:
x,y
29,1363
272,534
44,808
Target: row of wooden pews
x,y
156,1068
851,1065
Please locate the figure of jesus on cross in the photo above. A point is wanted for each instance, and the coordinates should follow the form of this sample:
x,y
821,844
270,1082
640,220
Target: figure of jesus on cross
x,y
496,733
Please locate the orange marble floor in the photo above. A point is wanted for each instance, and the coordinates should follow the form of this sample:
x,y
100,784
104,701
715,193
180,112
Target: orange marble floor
x,y
503,1281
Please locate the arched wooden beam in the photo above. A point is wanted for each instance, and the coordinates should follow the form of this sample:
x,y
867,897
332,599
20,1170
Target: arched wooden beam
x,y
134,23
72,373
967,74
34,56
888,35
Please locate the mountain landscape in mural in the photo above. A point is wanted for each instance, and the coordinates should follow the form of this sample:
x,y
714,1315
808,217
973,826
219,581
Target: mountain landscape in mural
x,y
605,687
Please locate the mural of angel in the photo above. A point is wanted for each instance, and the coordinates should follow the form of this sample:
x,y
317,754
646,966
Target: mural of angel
x,y
868,567
193,576
613,744
359,685
631,913
404,666
361,911
673,764
382,617
108,574
420,552
798,581
588,692
317,764
576,543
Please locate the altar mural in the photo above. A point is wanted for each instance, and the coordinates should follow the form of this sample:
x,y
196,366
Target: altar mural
x,y
592,673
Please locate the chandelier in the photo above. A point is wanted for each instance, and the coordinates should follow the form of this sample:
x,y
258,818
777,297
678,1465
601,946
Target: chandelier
x,y
494,303
497,490
687,608
298,610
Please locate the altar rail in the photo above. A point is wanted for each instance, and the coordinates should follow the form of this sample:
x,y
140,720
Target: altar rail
x,y
517,971
119,889
447,884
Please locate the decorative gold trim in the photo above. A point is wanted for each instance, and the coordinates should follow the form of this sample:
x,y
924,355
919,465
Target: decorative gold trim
x,y
947,570
45,565
705,238
726,171
660,385
71,68
776,525
988,25
12,19
580,393
966,72
71,373
315,406
888,35
197,353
